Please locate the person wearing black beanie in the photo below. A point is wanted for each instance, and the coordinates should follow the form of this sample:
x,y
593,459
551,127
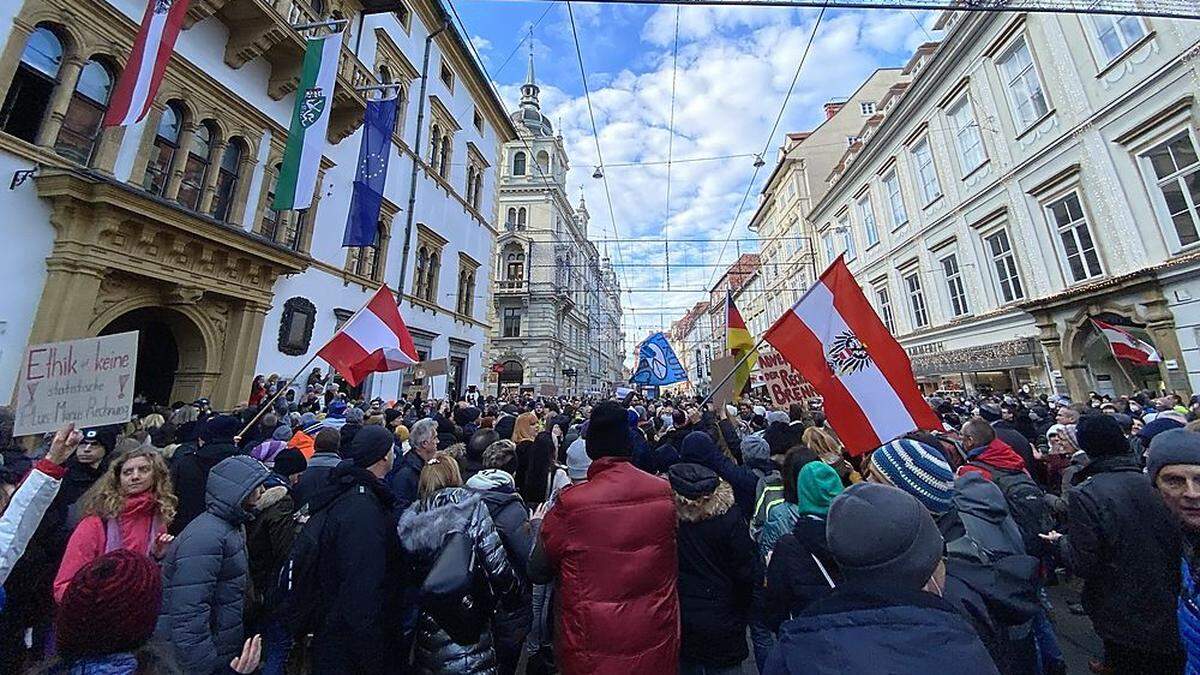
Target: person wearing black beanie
x,y
608,431
1101,436
1122,541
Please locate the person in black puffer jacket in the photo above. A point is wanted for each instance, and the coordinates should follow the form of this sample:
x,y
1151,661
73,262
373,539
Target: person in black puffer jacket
x,y
716,569
359,564
802,569
499,493
443,507
189,473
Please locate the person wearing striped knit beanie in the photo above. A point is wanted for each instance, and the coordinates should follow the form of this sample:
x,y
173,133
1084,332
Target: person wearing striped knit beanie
x,y
922,472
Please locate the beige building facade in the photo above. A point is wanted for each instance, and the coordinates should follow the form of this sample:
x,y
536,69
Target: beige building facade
x,y
797,182
557,303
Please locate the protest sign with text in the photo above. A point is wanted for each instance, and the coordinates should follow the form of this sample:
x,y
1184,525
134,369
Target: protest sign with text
x,y
88,382
784,384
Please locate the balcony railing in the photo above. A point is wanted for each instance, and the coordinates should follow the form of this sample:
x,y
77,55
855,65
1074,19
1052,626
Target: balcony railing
x,y
511,287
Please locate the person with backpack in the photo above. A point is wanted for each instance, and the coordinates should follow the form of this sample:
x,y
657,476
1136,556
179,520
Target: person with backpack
x,y
131,506
445,507
993,459
341,581
268,541
207,572
801,569
189,473
887,614
990,579
996,461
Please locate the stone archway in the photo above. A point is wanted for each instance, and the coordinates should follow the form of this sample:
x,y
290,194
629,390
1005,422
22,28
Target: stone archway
x,y
172,353
1088,363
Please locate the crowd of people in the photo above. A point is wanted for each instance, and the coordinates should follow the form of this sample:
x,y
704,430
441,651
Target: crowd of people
x,y
309,531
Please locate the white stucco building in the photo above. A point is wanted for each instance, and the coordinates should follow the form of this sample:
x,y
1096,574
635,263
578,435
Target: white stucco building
x,y
1039,170
164,227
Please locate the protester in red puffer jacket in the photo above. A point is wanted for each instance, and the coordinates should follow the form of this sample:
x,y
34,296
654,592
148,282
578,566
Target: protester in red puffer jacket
x,y
610,543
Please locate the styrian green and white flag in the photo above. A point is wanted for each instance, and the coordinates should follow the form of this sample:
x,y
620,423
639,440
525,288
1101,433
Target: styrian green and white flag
x,y
310,119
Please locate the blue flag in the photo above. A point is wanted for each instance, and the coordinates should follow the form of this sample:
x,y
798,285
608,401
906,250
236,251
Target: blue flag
x,y
657,363
362,225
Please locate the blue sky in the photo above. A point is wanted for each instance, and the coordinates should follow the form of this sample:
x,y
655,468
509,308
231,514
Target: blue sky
x,y
733,71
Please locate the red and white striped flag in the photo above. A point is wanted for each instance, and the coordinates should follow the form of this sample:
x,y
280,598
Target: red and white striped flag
x,y
374,340
143,72
1125,346
834,338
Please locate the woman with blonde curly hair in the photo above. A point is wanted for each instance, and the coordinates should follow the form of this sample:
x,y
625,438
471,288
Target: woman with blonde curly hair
x,y
129,507
830,450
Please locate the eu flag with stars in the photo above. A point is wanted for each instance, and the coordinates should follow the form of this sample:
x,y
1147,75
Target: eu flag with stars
x,y
657,363
362,225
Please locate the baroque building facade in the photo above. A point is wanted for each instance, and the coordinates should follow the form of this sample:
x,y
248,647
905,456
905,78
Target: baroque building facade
x,y
164,227
557,304
1038,171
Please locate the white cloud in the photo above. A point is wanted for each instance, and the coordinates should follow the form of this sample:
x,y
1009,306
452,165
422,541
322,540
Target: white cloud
x,y
735,65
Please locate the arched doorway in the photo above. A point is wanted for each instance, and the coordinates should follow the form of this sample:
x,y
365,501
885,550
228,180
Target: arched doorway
x,y
511,377
1111,377
1089,358
171,353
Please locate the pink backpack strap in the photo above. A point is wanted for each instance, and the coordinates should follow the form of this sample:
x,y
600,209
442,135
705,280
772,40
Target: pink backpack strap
x,y
112,535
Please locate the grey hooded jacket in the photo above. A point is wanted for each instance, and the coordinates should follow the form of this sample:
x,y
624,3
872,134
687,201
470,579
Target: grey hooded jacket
x,y
206,572
422,528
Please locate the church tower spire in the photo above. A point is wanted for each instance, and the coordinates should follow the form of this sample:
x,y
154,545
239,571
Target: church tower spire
x,y
530,90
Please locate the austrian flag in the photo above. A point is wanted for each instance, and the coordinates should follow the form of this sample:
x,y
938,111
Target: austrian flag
x,y
834,338
1125,346
374,340
152,49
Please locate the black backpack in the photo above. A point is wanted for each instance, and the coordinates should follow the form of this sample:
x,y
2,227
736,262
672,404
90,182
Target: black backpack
x,y
1026,504
297,594
455,591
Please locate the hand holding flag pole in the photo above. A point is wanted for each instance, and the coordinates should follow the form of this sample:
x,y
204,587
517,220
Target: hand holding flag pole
x,y
378,342
288,384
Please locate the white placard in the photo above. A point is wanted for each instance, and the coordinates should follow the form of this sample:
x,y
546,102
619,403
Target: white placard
x,y
88,382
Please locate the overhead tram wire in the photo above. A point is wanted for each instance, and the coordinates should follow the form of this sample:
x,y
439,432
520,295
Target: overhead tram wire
x,y
1177,9
671,148
528,36
771,136
595,134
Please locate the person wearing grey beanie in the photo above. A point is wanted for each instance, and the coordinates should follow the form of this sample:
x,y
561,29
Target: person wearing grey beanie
x,y
889,551
1173,463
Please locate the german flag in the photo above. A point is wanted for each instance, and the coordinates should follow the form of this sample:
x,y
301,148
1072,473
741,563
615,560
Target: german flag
x,y
740,343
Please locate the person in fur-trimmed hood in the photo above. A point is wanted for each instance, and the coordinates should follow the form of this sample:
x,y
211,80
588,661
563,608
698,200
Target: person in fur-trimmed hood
x,y
716,571
445,506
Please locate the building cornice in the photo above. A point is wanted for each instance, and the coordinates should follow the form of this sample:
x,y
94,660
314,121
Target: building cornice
x,y
453,44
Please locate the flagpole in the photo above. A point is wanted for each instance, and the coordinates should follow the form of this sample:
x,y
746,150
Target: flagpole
x,y
279,391
733,370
